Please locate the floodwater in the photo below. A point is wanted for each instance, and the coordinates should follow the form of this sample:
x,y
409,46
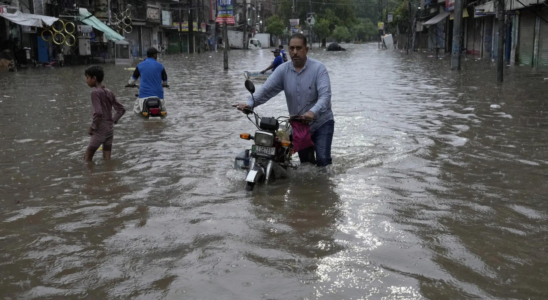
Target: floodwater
x,y
438,190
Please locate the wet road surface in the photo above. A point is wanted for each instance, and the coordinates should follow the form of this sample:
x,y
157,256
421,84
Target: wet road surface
x,y
438,189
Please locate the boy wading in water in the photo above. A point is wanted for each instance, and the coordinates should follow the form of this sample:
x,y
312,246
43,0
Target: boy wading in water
x,y
102,102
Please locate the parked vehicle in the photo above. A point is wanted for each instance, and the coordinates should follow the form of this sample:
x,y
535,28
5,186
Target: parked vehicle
x,y
270,155
236,41
264,38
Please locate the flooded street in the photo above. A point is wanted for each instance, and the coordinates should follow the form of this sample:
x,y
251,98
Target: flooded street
x,y
438,190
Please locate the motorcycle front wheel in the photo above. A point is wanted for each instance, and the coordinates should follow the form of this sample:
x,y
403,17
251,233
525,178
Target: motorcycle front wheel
x,y
249,186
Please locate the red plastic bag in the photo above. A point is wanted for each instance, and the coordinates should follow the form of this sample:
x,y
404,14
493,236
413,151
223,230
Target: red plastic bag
x,y
302,138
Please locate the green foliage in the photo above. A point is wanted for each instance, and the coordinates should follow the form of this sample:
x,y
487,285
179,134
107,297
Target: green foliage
x,y
341,33
275,26
322,28
358,17
363,30
367,9
333,19
401,16
336,12
346,11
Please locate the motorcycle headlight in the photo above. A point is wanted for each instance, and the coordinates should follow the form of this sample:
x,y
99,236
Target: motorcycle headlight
x,y
264,138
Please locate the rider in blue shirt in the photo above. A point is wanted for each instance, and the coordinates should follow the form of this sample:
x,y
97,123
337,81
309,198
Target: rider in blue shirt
x,y
278,60
153,76
282,53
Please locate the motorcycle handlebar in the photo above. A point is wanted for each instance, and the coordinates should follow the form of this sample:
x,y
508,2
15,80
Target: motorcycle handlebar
x,y
136,85
299,119
245,110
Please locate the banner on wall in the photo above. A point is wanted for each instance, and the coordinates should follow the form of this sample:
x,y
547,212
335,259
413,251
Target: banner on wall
x,y
449,5
294,23
184,26
225,12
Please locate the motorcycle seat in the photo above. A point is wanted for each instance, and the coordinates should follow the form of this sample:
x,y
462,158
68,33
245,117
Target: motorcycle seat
x,y
152,102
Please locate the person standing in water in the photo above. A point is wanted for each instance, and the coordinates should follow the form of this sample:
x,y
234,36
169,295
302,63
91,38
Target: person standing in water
x,y
103,100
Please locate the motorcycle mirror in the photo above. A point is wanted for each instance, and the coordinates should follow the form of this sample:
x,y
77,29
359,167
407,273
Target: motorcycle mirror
x,y
250,86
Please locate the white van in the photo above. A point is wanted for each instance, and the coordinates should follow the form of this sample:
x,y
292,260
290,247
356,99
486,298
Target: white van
x,y
254,44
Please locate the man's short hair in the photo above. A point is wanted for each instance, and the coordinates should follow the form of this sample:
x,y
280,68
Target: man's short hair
x,y
299,36
151,51
281,46
95,71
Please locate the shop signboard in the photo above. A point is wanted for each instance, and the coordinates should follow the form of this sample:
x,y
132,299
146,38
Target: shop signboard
x,y
166,18
294,23
153,14
184,26
449,5
225,12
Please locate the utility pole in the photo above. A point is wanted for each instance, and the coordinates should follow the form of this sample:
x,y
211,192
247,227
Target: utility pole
x,y
225,42
190,27
310,36
199,20
245,25
108,9
457,32
411,29
198,43
500,44
180,28
254,22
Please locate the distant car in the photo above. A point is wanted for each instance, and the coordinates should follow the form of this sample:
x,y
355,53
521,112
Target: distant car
x,y
335,47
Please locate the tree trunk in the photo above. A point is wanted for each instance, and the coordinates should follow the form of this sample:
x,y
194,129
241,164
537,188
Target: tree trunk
x,y
324,41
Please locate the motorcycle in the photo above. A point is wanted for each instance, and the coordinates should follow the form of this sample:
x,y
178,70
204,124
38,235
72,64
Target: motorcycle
x,y
270,155
150,106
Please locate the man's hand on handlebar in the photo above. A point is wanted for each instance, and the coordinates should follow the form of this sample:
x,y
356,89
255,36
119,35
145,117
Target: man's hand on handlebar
x,y
308,117
246,109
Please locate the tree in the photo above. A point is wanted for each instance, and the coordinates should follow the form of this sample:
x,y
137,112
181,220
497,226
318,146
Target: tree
x,y
275,26
322,30
341,33
364,30
333,20
367,9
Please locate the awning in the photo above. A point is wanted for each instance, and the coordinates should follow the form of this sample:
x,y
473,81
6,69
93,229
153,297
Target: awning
x,y
437,19
486,9
87,18
464,14
489,9
24,19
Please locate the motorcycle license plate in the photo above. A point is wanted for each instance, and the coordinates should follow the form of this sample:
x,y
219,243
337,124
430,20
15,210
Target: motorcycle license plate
x,y
265,150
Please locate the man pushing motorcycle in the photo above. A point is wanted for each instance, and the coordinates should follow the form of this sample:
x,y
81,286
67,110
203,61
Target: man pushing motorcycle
x,y
307,88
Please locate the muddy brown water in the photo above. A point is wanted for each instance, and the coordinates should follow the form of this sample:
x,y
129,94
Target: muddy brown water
x,y
438,189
